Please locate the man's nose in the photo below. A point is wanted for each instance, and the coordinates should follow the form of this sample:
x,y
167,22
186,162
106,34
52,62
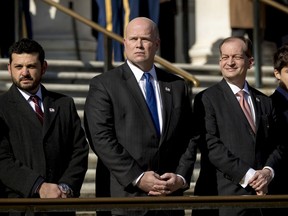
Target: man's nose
x,y
25,71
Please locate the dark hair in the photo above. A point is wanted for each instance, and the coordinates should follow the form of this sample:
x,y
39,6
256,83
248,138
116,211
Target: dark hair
x,y
26,45
249,47
280,58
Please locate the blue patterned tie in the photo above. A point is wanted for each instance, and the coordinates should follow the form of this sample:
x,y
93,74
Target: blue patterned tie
x,y
151,101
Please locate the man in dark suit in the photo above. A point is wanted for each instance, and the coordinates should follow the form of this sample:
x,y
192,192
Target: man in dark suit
x,y
121,131
38,159
237,158
280,102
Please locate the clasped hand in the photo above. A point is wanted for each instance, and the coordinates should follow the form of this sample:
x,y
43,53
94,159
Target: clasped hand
x,y
260,181
50,190
157,185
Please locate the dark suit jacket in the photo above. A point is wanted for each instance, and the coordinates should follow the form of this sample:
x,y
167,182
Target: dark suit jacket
x,y
121,132
58,151
279,183
227,143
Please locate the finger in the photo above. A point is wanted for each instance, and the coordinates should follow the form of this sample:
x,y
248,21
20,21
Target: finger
x,y
261,186
156,175
166,176
155,193
259,193
257,185
159,187
161,183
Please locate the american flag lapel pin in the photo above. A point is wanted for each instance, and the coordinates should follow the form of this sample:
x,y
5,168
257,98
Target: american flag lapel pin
x,y
167,89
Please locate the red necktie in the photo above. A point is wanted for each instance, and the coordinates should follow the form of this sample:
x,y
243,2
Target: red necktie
x,y
38,109
246,109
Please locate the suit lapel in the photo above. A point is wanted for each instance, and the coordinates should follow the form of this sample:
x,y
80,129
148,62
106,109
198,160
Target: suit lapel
x,y
138,96
257,106
22,106
233,103
50,110
166,96
235,107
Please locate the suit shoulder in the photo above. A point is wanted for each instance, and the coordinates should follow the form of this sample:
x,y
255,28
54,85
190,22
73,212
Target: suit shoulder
x,y
277,96
4,95
162,74
58,96
212,90
258,92
260,95
107,76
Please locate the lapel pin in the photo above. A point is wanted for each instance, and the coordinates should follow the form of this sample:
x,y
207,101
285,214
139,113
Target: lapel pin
x,y
167,89
257,99
51,110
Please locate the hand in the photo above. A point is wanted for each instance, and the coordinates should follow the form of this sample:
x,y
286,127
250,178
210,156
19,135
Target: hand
x,y
260,181
264,191
148,180
49,190
171,184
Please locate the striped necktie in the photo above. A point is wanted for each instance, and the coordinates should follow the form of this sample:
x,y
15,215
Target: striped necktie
x,y
38,109
246,109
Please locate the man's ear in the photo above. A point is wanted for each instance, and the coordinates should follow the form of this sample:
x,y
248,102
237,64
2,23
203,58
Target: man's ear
x,y
277,74
44,67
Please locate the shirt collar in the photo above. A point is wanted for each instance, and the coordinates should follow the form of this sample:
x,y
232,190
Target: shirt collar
x,y
27,95
236,89
138,73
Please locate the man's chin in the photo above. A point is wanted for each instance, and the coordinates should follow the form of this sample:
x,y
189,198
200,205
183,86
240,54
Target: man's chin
x,y
26,87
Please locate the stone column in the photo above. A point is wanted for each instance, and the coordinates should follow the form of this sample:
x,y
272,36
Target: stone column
x,y
55,31
211,25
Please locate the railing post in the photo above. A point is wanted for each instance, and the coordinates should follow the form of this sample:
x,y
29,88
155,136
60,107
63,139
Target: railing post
x,y
185,30
257,41
18,20
107,53
75,33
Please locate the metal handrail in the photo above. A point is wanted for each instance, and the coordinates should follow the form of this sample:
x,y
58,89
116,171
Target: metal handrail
x,y
118,38
133,203
276,5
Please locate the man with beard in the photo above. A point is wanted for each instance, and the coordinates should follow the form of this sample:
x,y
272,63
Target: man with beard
x,y
43,149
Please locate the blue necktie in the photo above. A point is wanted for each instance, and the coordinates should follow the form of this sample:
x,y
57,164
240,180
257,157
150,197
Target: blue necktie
x,y
151,101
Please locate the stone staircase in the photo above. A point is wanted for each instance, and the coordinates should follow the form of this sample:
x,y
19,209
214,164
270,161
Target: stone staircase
x,y
72,78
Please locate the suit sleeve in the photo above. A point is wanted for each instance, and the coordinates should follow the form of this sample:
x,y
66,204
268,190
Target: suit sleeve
x,y
100,129
187,161
77,166
12,170
217,153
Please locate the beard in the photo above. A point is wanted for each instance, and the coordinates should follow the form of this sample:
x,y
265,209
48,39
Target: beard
x,y
26,83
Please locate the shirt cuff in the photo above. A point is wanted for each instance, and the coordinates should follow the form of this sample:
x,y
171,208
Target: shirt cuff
x,y
271,169
134,183
37,185
184,181
249,174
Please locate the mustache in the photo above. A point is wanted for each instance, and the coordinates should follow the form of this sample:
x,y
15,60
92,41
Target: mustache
x,y
27,77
